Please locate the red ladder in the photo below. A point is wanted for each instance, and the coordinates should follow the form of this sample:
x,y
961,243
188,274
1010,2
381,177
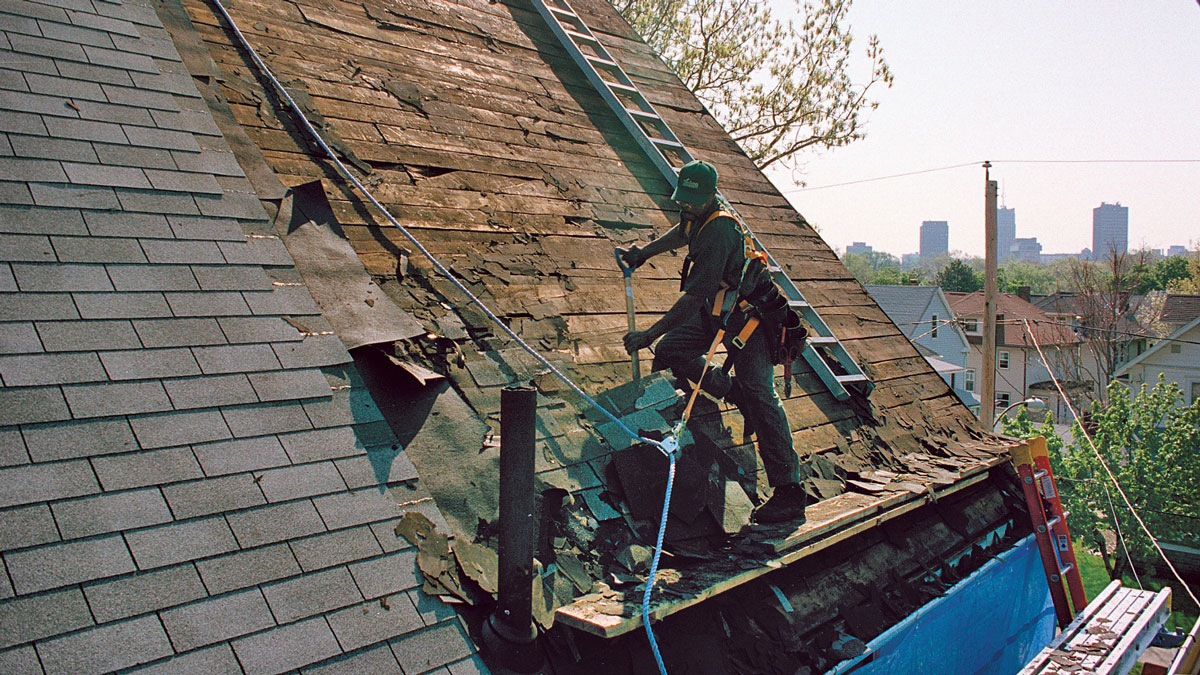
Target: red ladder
x,y
1032,460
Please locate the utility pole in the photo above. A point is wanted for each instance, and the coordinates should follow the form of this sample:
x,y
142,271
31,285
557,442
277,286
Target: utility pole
x,y
987,402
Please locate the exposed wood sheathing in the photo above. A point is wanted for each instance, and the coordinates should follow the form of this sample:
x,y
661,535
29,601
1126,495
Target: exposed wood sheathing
x,y
474,128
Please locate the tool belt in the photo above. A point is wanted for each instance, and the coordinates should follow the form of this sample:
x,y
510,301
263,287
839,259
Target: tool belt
x,y
768,312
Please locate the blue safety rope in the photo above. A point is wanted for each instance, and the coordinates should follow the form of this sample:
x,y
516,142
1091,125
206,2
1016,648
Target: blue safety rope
x,y
667,446
662,530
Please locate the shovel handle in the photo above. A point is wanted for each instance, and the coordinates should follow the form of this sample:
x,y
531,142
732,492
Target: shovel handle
x,y
627,272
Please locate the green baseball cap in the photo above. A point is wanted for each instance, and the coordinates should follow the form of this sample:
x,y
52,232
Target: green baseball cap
x,y
697,182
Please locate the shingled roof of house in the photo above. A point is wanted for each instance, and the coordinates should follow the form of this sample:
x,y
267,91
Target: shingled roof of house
x,y
198,474
193,474
1012,312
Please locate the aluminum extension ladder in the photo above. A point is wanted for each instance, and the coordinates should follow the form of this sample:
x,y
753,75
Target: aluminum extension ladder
x,y
1032,460
823,352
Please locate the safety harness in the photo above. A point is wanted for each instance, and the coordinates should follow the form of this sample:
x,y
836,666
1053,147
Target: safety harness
x,y
759,301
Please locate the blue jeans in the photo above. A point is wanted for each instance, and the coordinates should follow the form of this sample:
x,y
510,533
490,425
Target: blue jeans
x,y
682,351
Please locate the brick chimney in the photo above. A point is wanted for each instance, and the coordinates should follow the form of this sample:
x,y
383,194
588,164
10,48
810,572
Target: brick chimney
x,y
1023,293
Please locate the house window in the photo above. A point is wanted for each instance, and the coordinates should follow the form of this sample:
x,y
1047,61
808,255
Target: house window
x,y
1176,348
1002,360
971,325
1195,392
1002,400
933,333
969,379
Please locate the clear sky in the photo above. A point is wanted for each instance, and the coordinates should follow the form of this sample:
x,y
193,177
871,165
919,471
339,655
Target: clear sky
x,y
1009,80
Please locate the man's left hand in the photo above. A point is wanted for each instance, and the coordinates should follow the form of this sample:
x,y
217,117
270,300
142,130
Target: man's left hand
x,y
637,339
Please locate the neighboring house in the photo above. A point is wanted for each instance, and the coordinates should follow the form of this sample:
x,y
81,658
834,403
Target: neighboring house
x,y
1178,310
1176,359
924,315
234,395
1090,317
1020,371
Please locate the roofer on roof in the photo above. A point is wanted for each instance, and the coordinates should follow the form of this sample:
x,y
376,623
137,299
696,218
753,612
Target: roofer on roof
x,y
716,259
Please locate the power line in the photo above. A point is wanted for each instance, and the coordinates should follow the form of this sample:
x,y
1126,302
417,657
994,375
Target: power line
x,y
878,178
1113,330
1001,161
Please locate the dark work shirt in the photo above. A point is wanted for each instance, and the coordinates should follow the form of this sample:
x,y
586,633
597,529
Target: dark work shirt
x,y
716,254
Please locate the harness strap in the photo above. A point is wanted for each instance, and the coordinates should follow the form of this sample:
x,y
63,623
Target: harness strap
x,y
719,301
687,412
740,340
713,216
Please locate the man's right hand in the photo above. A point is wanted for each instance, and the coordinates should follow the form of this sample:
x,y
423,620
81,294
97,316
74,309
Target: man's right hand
x,y
637,339
632,256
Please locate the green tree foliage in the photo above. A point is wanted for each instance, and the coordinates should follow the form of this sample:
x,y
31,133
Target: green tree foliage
x,y
958,276
1040,278
1149,441
874,267
777,86
1191,282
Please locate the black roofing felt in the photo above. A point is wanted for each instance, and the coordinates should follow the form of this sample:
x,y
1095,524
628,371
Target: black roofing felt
x,y
192,475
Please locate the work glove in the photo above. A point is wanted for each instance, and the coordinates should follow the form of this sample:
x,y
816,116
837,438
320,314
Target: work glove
x,y
637,339
632,256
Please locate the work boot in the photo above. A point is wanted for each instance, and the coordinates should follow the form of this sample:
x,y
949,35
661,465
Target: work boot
x,y
785,505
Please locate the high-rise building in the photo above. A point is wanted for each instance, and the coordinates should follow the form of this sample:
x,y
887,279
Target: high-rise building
x,y
935,238
1027,249
1110,230
1177,250
859,247
1006,232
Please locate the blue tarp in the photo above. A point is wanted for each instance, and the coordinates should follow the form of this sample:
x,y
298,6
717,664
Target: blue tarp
x,y
991,623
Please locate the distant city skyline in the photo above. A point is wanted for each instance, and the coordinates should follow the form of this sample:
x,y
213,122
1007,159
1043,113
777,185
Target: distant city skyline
x,y
1110,230
1037,89
935,238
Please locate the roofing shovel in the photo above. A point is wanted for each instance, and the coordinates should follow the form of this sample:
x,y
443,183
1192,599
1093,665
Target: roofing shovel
x,y
627,272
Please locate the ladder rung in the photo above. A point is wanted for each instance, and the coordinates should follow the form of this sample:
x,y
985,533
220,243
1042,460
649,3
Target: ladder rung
x,y
798,304
663,141
607,62
642,113
1066,568
581,36
559,10
822,339
853,377
1052,522
1040,474
623,87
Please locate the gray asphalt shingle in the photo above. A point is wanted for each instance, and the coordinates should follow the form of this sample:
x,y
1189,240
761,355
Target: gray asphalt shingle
x,y
146,373
67,563
87,438
247,568
106,648
217,619
180,542
287,647
142,592
335,548
110,512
